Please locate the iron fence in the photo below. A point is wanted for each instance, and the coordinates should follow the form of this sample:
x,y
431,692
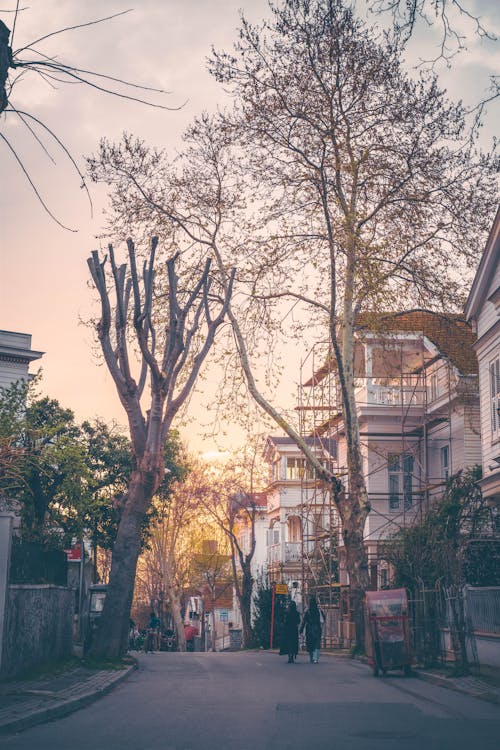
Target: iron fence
x,y
482,606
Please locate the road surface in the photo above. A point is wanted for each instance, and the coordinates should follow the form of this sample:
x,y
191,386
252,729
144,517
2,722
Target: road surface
x,y
256,701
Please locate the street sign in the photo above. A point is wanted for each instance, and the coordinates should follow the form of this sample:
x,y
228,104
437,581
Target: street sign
x,y
281,588
74,554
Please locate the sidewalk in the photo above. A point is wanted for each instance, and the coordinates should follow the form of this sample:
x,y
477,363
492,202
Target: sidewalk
x,y
485,685
24,703
475,686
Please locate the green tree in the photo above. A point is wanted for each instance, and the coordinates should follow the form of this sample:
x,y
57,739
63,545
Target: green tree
x,y
47,475
454,544
263,613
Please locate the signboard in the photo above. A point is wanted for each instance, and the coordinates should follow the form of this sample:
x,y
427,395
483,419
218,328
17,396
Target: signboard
x,y
74,554
281,588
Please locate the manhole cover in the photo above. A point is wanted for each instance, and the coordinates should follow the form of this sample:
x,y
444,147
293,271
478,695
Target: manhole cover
x,y
385,735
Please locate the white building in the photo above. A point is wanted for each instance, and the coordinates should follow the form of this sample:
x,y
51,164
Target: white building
x,y
418,411
16,355
483,311
300,516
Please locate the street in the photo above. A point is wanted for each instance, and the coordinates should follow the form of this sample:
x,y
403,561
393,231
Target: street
x,y
256,701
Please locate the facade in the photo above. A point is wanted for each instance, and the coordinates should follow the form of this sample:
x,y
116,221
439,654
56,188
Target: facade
x,y
16,355
301,519
418,410
483,312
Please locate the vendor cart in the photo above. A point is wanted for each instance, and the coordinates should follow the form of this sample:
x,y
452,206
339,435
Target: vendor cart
x,y
387,631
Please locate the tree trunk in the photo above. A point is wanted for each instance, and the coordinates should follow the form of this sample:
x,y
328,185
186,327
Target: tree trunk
x,y
5,62
111,641
353,520
175,608
245,600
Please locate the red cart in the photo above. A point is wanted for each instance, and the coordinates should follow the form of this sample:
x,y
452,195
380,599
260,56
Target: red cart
x,y
387,631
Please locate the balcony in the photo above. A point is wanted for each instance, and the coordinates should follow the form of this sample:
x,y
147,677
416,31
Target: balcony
x,y
293,553
379,394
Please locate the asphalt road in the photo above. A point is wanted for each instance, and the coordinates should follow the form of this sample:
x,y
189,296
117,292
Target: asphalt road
x,y
256,701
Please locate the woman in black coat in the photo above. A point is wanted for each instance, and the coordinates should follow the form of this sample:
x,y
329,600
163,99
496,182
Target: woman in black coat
x,y
290,634
312,625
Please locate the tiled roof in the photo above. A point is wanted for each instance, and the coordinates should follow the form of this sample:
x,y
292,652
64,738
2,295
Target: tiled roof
x,y
450,333
452,336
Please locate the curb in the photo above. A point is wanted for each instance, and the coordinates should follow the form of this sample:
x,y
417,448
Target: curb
x,y
64,707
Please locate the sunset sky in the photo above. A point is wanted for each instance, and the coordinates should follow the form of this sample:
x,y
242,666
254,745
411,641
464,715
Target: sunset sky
x,y
162,43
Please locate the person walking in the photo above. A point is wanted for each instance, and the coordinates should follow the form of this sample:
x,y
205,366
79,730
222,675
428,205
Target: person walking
x,y
311,622
290,635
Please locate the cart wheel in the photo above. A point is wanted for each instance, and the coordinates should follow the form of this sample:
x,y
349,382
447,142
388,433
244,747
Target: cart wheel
x,y
376,671
407,670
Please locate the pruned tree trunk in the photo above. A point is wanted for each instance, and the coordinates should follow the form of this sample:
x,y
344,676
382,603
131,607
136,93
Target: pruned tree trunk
x,y
171,376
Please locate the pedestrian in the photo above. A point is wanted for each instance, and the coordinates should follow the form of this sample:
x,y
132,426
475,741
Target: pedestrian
x,y
312,622
151,642
290,634
190,633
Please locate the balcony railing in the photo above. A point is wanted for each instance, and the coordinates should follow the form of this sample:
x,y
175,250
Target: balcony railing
x,y
293,553
376,394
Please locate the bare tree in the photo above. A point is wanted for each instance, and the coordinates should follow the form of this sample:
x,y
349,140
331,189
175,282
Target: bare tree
x,y
171,355
407,13
232,501
210,571
338,185
15,63
168,557
448,17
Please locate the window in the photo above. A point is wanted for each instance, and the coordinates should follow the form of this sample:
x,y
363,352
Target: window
x,y
400,469
495,396
296,467
294,529
273,536
445,462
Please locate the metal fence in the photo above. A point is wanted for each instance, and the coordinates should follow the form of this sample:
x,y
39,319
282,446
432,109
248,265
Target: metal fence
x,y
482,606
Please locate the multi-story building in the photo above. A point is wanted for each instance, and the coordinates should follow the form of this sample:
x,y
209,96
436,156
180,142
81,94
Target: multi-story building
x,y
483,311
418,411
301,519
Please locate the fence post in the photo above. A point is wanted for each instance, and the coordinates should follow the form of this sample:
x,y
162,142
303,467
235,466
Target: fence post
x,y
5,547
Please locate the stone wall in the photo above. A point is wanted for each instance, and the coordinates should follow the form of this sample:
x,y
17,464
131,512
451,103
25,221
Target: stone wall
x,y
38,628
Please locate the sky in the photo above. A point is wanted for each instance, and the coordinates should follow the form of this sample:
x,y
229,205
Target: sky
x,y
44,281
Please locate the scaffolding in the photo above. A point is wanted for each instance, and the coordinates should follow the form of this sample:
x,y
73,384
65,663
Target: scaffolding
x,y
422,402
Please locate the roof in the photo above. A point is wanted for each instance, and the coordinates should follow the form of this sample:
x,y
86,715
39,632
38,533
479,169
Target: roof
x,y
450,333
486,269
328,445
18,346
246,499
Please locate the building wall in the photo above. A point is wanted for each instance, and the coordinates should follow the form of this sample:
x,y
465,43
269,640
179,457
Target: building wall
x,y
15,357
487,352
39,627
488,315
